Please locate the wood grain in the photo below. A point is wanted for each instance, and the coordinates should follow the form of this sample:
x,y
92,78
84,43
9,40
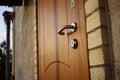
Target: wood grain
x,y
57,60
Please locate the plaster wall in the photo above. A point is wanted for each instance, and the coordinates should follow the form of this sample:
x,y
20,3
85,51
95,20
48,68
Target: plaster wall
x,y
25,46
114,14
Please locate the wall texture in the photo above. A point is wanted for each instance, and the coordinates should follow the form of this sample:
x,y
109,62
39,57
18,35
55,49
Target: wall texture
x,y
98,43
25,48
114,13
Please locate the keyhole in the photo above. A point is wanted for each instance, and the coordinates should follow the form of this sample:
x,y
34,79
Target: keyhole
x,y
74,43
72,3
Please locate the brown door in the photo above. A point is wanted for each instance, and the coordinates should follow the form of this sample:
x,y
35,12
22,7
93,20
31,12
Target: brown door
x,y
58,60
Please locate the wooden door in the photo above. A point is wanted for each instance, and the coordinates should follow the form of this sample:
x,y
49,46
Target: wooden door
x,y
57,59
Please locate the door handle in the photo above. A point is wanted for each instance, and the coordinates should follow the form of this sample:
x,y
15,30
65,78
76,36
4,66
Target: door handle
x,y
73,28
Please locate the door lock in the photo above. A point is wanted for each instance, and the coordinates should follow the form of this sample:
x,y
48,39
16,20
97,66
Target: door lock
x,y
72,3
74,43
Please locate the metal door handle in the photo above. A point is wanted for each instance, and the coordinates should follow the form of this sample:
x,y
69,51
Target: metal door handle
x,y
73,28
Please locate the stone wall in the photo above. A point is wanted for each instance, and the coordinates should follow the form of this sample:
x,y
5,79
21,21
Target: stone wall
x,y
114,13
25,48
98,42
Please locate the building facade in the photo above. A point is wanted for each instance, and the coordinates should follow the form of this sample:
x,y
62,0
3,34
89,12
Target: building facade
x,y
101,19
